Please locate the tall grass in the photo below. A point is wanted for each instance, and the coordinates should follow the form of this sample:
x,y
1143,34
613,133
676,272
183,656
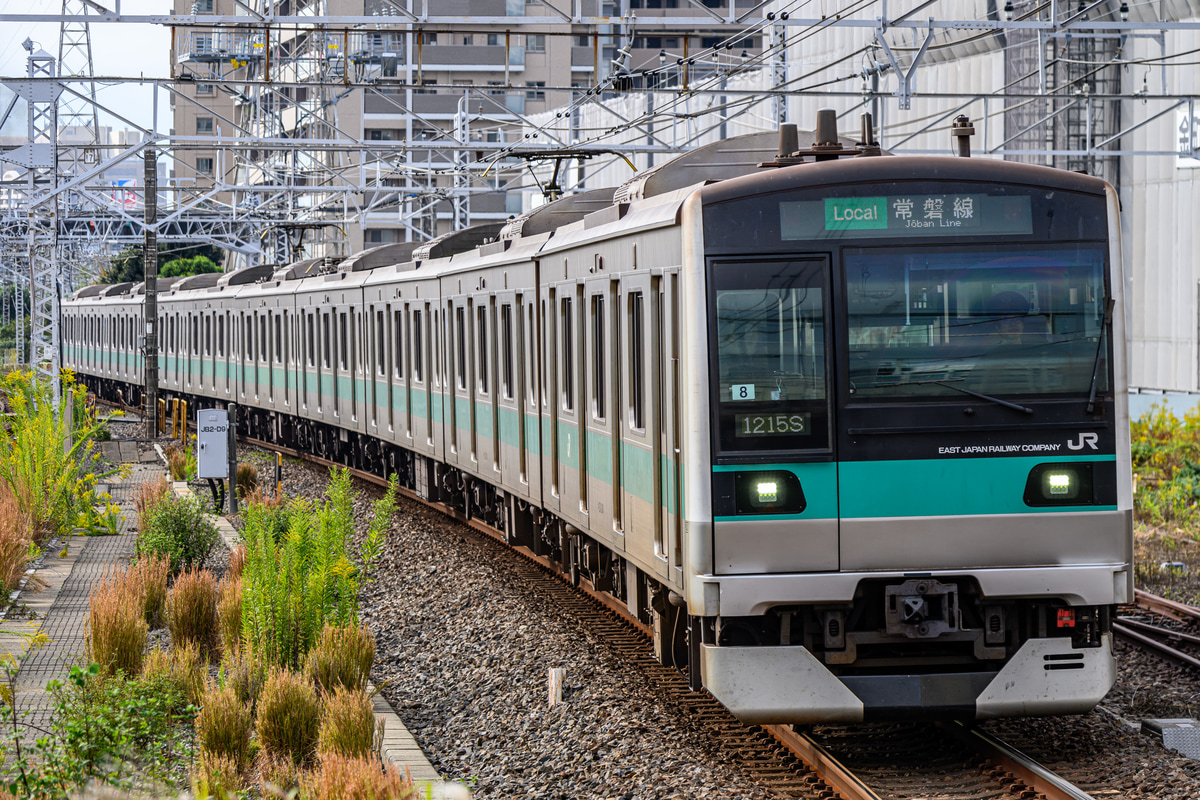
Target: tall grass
x,y
229,614
342,657
15,540
347,724
192,611
148,576
287,718
147,494
47,452
116,630
340,777
298,575
223,726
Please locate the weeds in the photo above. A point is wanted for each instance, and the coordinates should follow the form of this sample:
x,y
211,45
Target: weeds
x,y
245,674
148,575
16,544
223,727
183,667
229,614
247,479
298,576
147,494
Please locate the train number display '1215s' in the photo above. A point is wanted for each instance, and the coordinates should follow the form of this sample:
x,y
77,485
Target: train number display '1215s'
x,y
848,430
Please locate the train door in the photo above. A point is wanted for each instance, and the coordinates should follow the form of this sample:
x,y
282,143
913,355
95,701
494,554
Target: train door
x,y
484,416
571,431
640,473
600,453
550,400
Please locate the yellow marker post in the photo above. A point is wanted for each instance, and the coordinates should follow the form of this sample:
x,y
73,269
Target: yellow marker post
x,y
183,419
279,474
162,417
174,417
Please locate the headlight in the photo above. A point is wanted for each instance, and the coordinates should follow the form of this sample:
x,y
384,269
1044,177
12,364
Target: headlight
x,y
1067,484
768,492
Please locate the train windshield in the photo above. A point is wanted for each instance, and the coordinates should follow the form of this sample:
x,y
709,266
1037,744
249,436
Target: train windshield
x,y
929,323
772,387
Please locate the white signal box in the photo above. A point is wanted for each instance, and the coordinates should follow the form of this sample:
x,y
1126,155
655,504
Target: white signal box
x,y
212,443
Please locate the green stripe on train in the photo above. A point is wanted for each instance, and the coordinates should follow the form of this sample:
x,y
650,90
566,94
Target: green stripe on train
x,y
945,487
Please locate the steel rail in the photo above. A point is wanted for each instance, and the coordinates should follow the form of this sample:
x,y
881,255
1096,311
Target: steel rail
x,y
1021,766
822,762
1160,631
1180,612
1150,643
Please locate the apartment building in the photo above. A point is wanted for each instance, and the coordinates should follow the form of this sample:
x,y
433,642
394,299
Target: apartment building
x,y
418,107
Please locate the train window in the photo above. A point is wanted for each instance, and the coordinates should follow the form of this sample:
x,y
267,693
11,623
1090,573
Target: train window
x,y
568,351
771,354
195,336
637,362
530,334
380,344
326,358
481,315
398,352
342,341
278,338
599,366
248,337
941,322
221,336
418,354
506,337
312,339
264,342
461,340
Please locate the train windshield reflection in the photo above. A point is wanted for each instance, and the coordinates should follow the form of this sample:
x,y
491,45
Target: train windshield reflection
x,y
1025,323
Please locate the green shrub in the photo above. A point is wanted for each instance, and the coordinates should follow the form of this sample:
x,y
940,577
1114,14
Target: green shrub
x,y
192,611
294,583
347,724
178,528
223,726
341,657
287,718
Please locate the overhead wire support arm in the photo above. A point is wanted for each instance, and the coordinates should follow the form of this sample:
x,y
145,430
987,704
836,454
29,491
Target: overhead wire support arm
x,y
904,79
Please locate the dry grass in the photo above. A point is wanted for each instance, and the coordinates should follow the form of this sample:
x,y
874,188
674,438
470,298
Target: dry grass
x,y
176,463
347,724
237,561
342,656
192,610
148,578
147,494
246,674
229,614
117,629
184,666
216,776
247,479
340,777
288,717
223,726
15,538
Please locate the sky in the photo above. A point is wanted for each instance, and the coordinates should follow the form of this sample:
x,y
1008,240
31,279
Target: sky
x,y
118,50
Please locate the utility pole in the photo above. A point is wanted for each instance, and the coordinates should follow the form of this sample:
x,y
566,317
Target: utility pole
x,y
150,312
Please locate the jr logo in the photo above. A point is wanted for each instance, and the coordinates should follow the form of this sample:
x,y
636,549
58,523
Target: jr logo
x,y
1089,439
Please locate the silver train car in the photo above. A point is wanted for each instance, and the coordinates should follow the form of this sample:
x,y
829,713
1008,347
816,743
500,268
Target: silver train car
x,y
849,431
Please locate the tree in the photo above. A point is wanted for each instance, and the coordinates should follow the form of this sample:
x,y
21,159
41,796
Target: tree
x,y
127,266
181,267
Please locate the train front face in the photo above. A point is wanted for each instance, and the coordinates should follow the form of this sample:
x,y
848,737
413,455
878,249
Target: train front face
x,y
917,500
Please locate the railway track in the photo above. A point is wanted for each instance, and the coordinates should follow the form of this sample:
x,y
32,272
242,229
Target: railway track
x,y
1165,642
836,762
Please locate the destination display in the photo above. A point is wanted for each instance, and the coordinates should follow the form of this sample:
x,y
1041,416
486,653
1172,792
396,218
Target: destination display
x,y
890,216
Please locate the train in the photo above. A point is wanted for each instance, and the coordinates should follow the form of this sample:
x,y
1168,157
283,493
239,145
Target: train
x,y
848,431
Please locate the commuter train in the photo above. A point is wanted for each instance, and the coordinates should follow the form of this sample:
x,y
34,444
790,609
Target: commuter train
x,y
848,431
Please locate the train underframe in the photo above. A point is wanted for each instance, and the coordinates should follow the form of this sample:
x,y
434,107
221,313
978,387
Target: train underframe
x,y
903,647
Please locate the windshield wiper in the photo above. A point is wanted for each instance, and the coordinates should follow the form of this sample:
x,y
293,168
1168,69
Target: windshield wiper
x,y
1108,309
949,385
